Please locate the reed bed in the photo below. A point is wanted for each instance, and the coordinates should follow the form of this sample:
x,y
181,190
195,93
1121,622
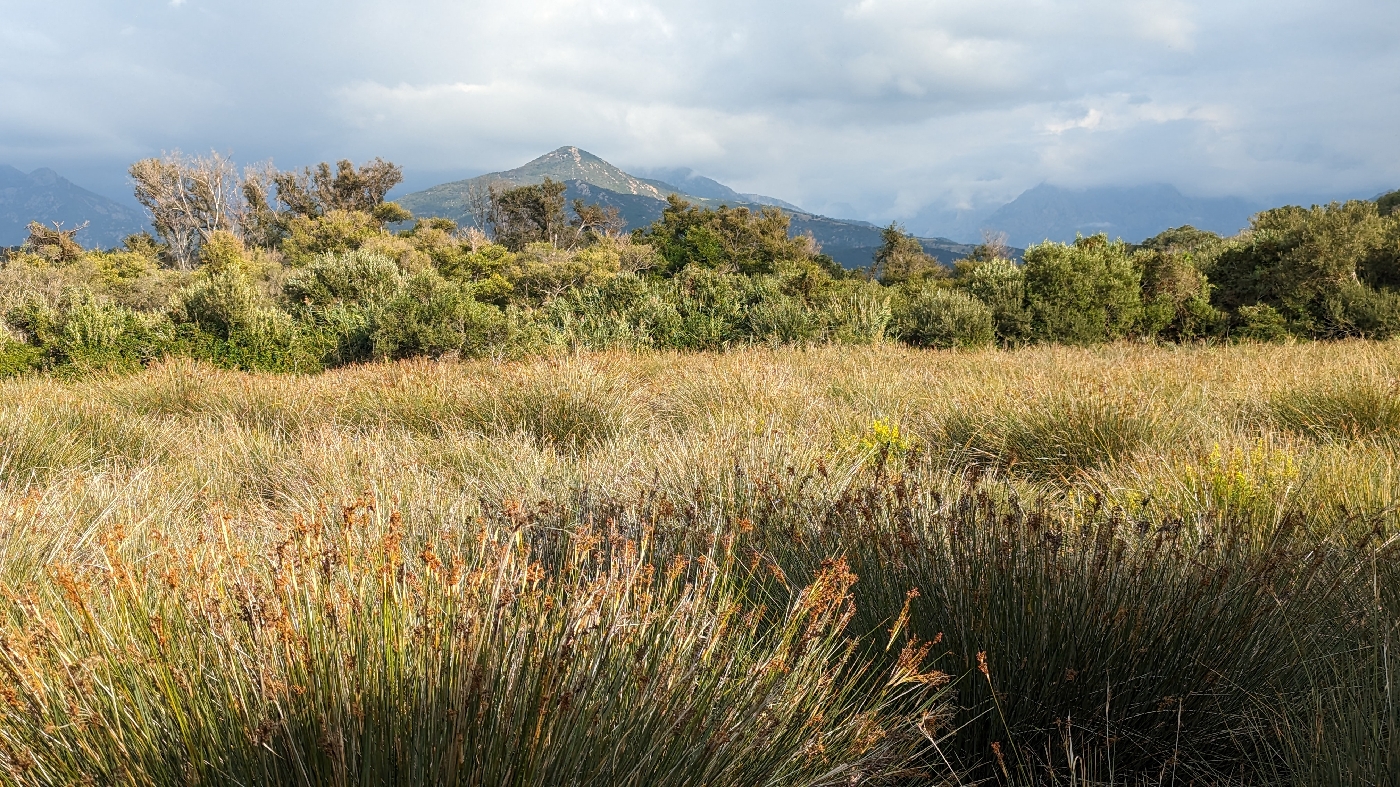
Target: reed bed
x,y
1125,564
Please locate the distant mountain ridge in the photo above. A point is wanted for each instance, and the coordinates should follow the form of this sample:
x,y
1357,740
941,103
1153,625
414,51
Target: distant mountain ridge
x,y
1133,213
640,202
45,197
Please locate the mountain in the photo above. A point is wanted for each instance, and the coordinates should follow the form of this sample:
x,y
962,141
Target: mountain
x,y
1132,213
692,183
640,202
45,197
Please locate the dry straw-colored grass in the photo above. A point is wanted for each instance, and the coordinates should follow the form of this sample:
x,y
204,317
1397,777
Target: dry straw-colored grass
x,y
125,485
1311,423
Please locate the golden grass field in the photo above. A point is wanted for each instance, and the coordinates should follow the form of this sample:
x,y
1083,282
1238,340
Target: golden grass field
x,y
124,499
1306,422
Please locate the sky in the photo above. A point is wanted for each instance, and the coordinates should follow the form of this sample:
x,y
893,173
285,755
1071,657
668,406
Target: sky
x,y
876,109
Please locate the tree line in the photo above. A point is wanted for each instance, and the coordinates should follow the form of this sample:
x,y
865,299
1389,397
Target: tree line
x,y
303,270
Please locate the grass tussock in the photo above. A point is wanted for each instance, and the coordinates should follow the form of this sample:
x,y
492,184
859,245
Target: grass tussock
x,y
773,567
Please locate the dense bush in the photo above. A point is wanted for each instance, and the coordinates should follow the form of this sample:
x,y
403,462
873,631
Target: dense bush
x,y
1082,293
1307,265
939,317
315,279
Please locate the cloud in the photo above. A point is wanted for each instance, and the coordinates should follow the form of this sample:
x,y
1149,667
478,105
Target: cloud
x,y
889,108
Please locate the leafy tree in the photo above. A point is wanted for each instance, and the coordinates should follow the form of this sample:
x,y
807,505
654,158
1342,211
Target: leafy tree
x,y
1084,292
1296,259
276,201
529,214
731,239
1185,239
1388,204
901,258
1175,294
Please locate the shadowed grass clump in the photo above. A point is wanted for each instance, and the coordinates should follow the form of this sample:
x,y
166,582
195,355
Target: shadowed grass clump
x,y
1054,437
1351,409
515,653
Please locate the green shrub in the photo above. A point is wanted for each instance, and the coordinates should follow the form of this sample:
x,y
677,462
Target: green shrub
x,y
17,357
356,278
1356,310
623,311
1260,323
434,316
856,312
1001,284
86,332
939,317
1082,293
220,301
773,317
710,305
337,231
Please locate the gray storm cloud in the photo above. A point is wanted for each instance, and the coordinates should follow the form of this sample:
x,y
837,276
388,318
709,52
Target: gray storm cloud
x,y
878,109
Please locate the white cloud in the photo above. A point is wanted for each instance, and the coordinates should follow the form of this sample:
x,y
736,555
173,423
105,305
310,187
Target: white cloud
x,y
884,107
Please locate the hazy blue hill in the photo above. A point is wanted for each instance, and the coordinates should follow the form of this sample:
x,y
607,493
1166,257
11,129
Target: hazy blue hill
x,y
688,181
1133,213
640,202
45,197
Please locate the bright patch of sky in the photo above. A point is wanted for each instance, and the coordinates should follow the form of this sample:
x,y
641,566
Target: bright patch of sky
x,y
873,109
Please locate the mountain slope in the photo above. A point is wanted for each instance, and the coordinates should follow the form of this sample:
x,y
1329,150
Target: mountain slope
x,y
565,164
1133,214
640,202
690,182
45,197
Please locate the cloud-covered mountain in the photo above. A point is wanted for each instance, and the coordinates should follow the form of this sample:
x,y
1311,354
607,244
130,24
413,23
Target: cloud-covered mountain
x,y
1053,213
640,202
45,197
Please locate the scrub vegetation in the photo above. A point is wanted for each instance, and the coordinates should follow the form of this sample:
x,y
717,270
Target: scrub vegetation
x,y
304,271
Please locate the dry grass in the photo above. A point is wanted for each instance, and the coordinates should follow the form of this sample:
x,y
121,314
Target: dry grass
x,y
103,476
1183,425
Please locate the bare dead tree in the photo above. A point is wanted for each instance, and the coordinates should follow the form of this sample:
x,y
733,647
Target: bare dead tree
x,y
995,245
262,223
594,221
189,198
56,244
477,201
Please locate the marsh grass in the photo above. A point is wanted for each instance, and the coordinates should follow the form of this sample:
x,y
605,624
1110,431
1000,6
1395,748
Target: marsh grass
x,y
511,652
1344,410
1056,437
1166,578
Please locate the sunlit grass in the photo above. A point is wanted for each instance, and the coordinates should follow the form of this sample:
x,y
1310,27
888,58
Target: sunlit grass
x,y
189,598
